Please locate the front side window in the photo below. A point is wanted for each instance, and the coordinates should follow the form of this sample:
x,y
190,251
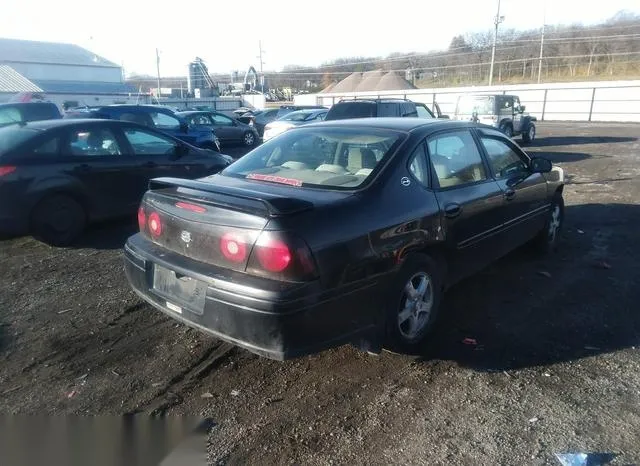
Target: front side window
x,y
199,120
93,142
318,157
146,143
423,112
164,121
455,159
504,161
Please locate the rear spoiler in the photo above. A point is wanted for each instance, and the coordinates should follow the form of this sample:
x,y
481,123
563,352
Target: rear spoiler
x,y
245,199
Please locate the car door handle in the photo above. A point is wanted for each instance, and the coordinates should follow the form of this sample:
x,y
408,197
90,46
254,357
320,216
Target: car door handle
x,y
85,167
150,164
509,194
452,210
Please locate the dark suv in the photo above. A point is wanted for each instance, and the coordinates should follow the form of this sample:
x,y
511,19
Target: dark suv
x,y
368,108
22,112
160,118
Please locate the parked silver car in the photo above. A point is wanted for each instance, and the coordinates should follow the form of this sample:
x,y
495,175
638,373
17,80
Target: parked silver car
x,y
504,112
291,120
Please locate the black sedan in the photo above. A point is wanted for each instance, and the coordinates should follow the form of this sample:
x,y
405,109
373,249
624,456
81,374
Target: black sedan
x,y
227,129
58,175
336,232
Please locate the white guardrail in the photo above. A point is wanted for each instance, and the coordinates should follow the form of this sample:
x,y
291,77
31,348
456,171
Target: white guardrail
x,y
583,101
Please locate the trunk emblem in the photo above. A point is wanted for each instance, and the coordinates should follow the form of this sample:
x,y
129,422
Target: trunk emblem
x,y
186,237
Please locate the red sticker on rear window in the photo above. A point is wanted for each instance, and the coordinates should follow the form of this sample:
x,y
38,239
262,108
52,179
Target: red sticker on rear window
x,y
275,179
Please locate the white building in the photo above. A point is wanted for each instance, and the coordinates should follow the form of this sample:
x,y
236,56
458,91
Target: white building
x,y
61,72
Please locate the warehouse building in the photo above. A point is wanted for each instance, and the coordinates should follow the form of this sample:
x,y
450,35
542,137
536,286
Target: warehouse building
x,y
62,73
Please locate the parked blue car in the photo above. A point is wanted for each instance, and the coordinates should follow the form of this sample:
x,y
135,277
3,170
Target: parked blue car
x,y
160,118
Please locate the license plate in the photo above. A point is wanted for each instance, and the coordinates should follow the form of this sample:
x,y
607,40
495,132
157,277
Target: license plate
x,y
180,289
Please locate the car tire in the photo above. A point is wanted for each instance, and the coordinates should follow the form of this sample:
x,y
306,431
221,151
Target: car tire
x,y
530,134
58,220
507,129
546,240
410,319
249,139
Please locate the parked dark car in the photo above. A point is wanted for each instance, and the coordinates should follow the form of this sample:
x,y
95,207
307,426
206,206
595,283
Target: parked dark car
x,y
339,232
22,112
379,108
153,116
56,176
227,129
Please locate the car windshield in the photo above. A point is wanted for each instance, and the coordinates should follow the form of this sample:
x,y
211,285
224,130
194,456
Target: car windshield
x,y
14,135
297,116
480,104
321,157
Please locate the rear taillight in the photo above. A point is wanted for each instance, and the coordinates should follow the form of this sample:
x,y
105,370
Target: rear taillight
x,y
5,170
155,225
273,255
142,219
281,256
233,248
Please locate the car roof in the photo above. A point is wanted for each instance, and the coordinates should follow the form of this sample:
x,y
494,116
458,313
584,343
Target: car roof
x,y
50,124
397,123
381,100
20,104
196,112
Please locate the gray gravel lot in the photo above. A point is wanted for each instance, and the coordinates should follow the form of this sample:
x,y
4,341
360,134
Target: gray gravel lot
x,y
556,367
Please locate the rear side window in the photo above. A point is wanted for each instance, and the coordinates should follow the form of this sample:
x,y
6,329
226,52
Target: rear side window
x,y
49,147
389,110
341,111
13,136
423,112
10,115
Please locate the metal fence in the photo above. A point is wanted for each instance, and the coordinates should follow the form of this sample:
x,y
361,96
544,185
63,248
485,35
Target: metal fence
x,y
597,101
217,103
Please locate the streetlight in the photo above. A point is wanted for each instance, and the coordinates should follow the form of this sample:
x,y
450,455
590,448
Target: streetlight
x,y
497,20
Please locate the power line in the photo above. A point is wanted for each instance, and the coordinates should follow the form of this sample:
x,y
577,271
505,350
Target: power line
x,y
515,60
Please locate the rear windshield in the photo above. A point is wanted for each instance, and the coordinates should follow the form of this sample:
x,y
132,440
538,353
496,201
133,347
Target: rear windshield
x,y
480,104
319,157
14,135
342,111
297,116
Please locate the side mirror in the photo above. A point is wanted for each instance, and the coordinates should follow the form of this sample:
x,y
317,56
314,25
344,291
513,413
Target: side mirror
x,y
522,108
541,165
446,117
184,127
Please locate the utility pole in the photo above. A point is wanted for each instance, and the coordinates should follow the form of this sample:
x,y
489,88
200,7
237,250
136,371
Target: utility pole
x,y
158,68
496,21
261,64
544,20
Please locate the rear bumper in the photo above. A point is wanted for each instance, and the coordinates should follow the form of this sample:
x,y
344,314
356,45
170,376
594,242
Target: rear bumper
x,y
260,315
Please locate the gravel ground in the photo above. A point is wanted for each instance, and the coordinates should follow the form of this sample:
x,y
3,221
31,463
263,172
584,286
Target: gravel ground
x,y
556,366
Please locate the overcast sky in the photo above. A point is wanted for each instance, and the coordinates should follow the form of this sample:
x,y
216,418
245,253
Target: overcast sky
x,y
225,33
